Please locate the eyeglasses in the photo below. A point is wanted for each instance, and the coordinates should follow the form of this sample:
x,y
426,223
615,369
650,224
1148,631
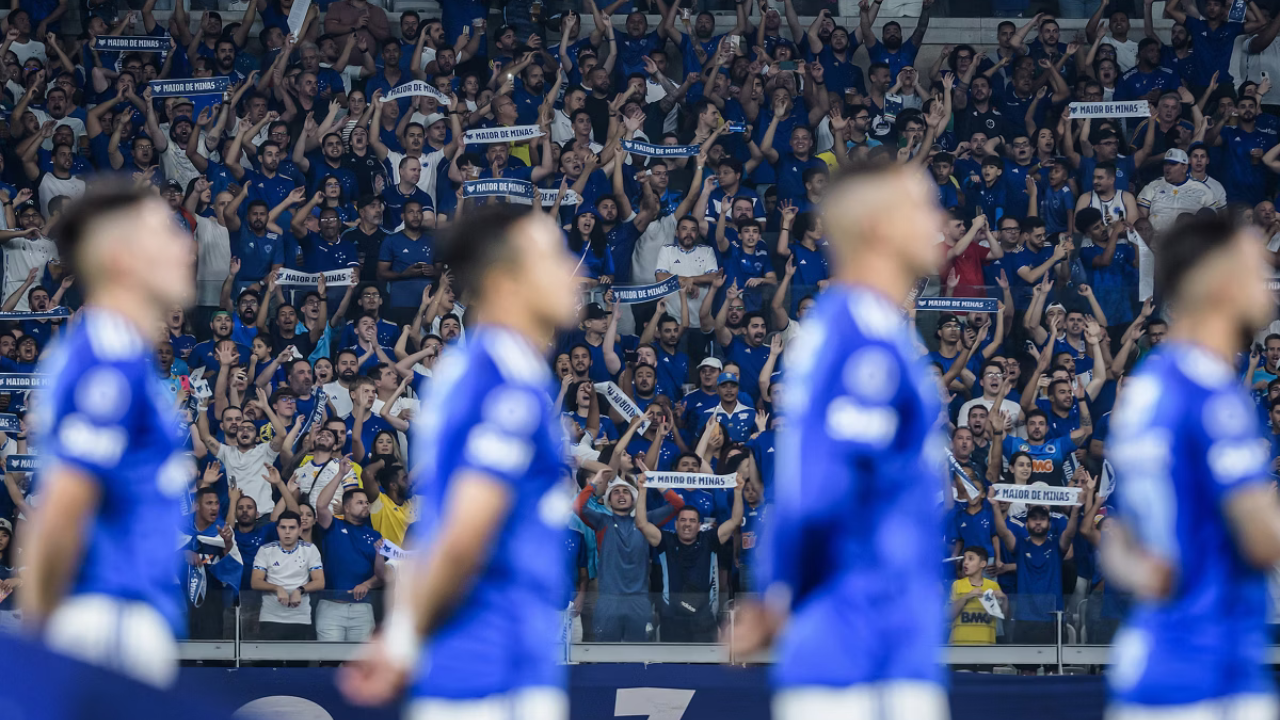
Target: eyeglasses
x,y
951,326
998,376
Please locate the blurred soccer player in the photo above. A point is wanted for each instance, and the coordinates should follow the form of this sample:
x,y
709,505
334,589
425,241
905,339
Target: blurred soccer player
x,y
484,586
1198,526
100,554
859,476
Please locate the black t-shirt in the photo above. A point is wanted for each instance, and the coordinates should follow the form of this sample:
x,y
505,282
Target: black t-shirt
x,y
301,341
365,167
690,573
367,246
992,123
598,109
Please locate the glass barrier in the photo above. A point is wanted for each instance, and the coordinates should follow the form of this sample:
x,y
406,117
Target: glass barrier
x,y
324,616
213,616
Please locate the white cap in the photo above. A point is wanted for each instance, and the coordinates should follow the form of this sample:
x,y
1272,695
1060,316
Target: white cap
x,y
432,119
1174,155
711,362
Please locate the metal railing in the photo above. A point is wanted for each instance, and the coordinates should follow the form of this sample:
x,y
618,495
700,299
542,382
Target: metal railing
x,y
242,645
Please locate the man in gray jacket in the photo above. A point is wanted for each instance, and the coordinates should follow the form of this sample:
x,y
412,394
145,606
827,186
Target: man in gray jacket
x,y
622,608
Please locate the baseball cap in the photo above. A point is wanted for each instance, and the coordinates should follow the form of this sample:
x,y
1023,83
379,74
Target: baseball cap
x,y
1107,134
1056,306
1175,155
596,312
183,101
182,119
6,526
727,378
711,362
173,185
432,119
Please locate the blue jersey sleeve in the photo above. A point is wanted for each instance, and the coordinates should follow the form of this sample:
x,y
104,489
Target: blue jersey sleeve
x,y
500,441
1231,435
93,410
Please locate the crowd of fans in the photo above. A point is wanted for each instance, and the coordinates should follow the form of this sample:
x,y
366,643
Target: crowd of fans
x,y
298,396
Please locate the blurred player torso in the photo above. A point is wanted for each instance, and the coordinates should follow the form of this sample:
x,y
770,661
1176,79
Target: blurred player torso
x,y
504,633
106,413
1184,436
857,506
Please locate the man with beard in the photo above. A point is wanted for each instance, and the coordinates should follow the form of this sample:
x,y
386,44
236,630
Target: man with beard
x,y
703,44
976,112
329,84
1048,455
270,183
324,467
991,380
592,333
141,151
257,252
580,361
370,303
673,363
530,94
737,420
835,53
1148,79
394,507
622,608
693,263
38,300
1040,553
599,102
283,333
406,262
204,354
1212,40
1246,144
1113,203
25,247
245,319
352,562
326,250
224,60
318,164
245,460
252,529
59,181
564,122
172,146
338,392
791,165
367,236
747,348
1177,54
406,189
622,235
891,49
26,355
691,559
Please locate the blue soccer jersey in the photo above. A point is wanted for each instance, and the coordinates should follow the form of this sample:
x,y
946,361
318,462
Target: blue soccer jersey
x,y
490,413
107,415
1184,439
853,536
